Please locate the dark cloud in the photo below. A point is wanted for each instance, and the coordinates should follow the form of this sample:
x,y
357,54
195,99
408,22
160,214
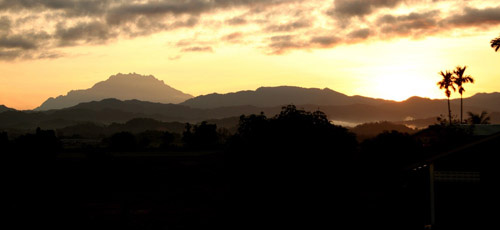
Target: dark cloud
x,y
8,55
324,41
5,25
17,41
198,49
49,55
360,34
351,8
232,36
413,24
240,20
476,17
31,29
25,46
70,8
129,12
93,32
291,26
286,43
13,54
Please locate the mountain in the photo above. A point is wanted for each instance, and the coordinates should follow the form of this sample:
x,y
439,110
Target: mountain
x,y
120,86
488,101
415,111
372,129
4,108
108,111
278,96
418,112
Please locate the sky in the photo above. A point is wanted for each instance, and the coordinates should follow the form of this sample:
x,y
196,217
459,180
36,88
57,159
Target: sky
x,y
391,49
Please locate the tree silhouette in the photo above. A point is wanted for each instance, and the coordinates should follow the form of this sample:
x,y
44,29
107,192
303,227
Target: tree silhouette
x,y
122,141
495,44
459,80
446,83
202,136
482,118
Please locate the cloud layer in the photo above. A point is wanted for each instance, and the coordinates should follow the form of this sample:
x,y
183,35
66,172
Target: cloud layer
x,y
33,29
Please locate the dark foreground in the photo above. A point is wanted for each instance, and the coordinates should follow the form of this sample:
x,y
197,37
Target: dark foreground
x,y
209,190
295,170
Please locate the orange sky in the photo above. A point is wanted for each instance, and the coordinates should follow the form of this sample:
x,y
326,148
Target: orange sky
x,y
389,49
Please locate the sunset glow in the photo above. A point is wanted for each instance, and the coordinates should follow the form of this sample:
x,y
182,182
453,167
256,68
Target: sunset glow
x,y
390,49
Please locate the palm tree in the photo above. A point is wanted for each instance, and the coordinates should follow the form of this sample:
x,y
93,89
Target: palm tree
x,y
482,118
446,83
495,44
459,80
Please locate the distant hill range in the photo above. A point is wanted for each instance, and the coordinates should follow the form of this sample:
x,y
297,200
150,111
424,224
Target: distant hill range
x,y
414,111
277,96
284,95
120,86
4,108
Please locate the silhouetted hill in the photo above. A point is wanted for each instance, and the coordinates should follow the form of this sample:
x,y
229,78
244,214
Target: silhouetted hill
x,y
4,108
278,96
339,106
120,86
414,111
372,129
488,101
136,125
112,110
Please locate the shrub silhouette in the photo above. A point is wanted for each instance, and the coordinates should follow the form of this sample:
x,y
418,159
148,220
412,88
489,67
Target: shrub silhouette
x,y
122,141
4,139
293,131
202,136
285,164
153,139
43,144
482,118
390,150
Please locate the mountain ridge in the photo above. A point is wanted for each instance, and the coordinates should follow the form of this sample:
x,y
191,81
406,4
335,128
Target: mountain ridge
x,y
4,108
120,86
113,110
278,95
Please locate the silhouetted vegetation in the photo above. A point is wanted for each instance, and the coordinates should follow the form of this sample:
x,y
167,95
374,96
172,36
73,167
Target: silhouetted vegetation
x,y
450,78
446,83
4,140
372,129
122,141
460,79
202,136
270,171
43,144
391,149
481,118
495,44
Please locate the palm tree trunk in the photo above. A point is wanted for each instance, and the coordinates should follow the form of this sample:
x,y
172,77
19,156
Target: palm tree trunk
x,y
461,109
449,110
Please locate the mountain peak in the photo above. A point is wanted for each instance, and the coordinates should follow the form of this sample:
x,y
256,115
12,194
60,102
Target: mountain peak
x,y
120,86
